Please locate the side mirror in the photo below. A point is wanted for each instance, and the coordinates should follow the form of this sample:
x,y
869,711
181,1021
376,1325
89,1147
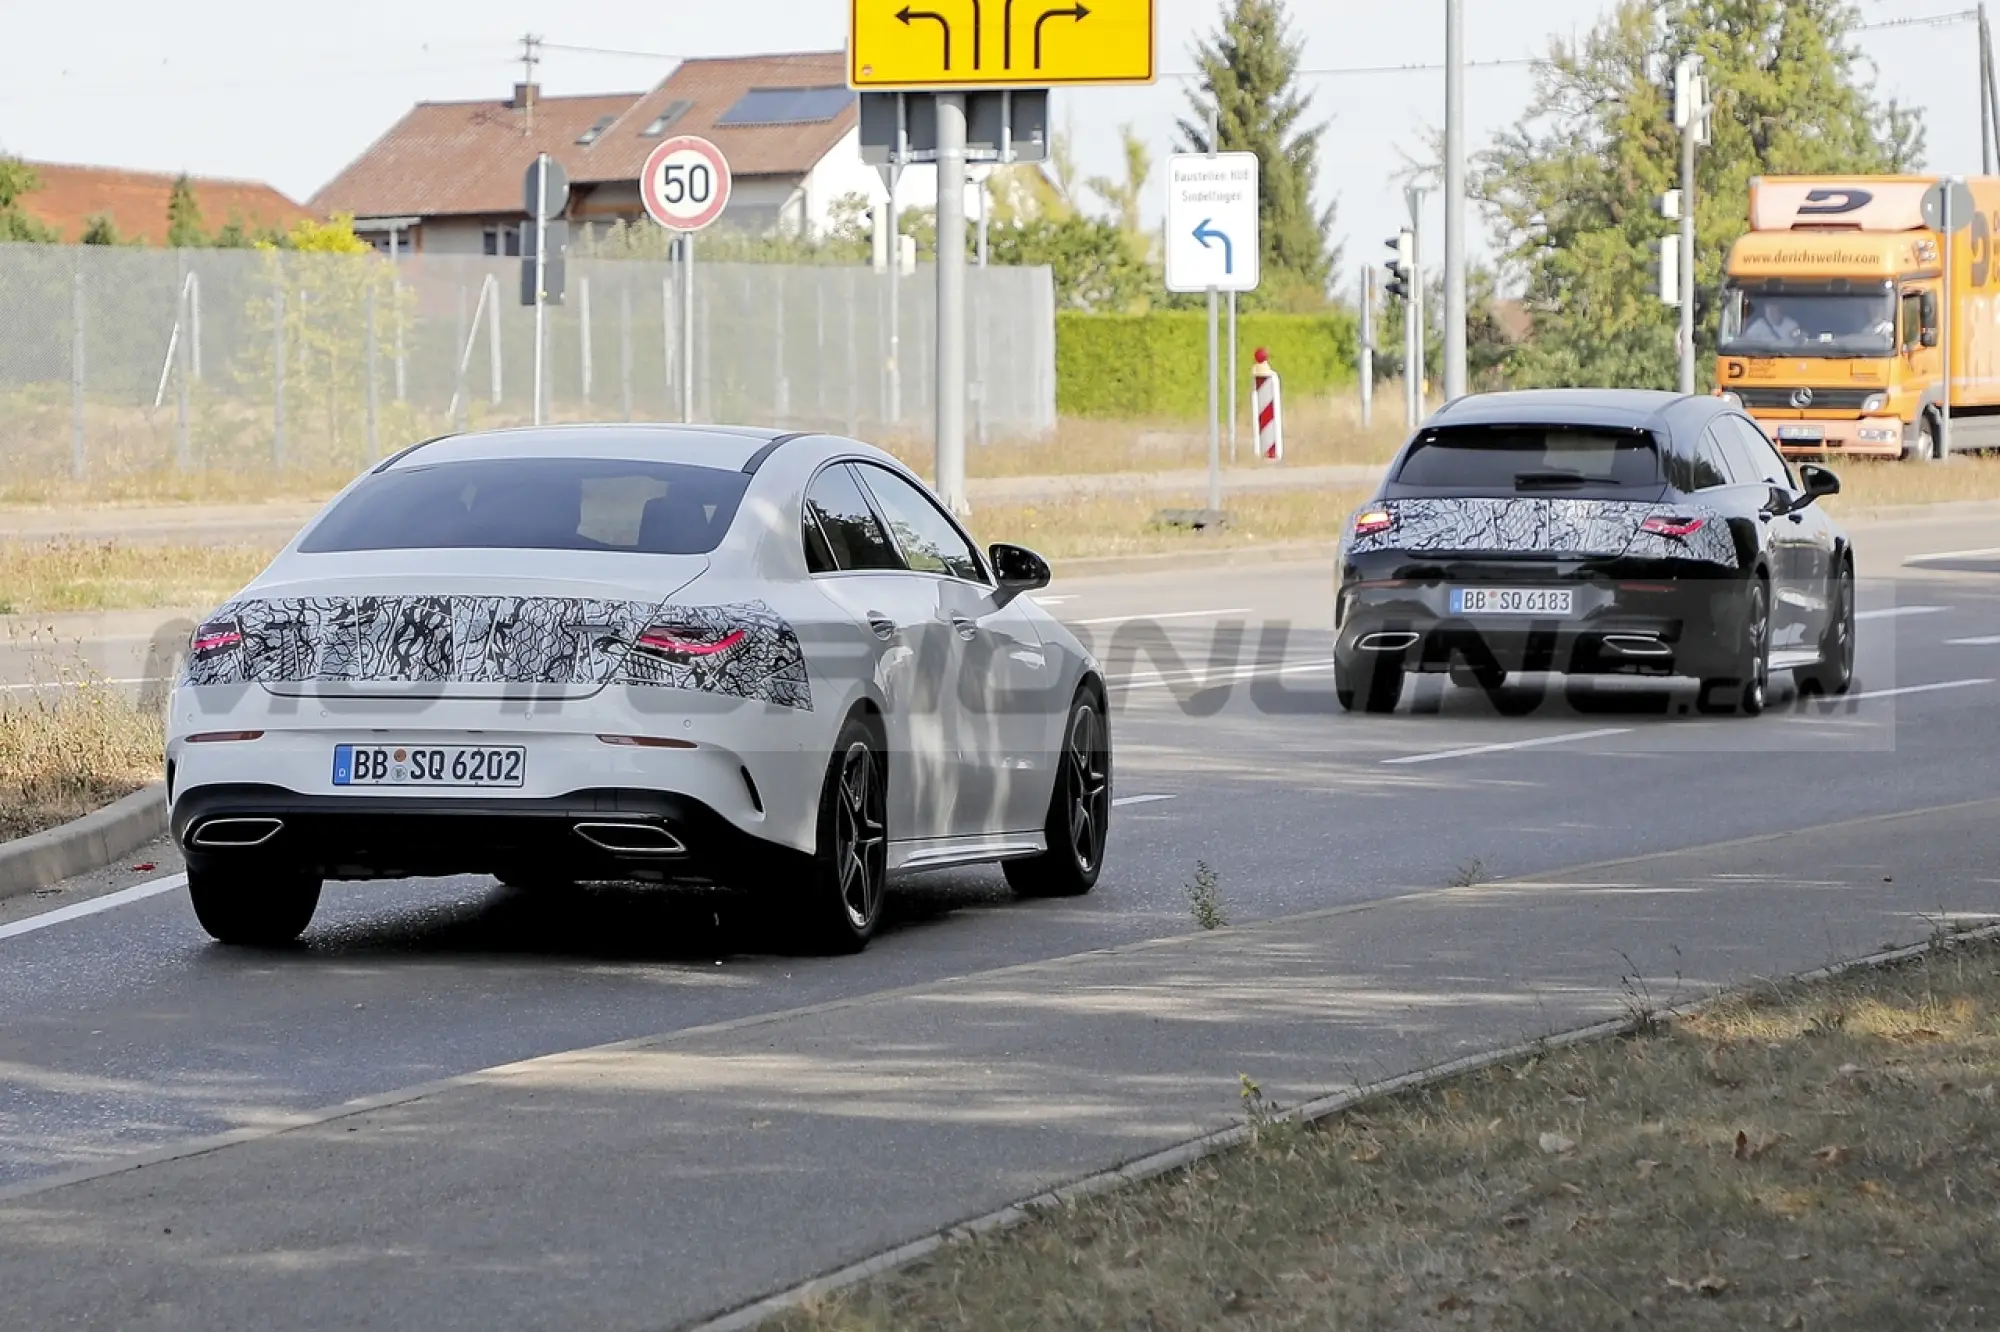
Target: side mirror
x,y
1928,338
1017,569
1818,481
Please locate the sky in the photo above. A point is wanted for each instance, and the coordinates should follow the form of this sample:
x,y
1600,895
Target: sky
x,y
215,87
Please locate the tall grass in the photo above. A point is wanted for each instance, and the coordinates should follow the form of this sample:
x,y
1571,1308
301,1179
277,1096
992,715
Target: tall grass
x,y
70,745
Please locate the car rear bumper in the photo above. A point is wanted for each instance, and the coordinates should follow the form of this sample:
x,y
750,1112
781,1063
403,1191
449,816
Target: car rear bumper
x,y
1677,628
606,833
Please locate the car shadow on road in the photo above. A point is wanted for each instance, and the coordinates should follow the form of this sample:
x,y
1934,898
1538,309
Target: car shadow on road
x,y
614,922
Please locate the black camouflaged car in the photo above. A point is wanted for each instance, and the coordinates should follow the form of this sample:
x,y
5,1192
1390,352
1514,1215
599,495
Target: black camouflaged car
x,y
1595,532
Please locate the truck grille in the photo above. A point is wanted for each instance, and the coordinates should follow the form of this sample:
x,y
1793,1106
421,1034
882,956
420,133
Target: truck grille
x,y
1823,399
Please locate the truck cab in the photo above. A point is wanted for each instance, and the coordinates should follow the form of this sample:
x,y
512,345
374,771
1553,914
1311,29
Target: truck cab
x,y
1830,313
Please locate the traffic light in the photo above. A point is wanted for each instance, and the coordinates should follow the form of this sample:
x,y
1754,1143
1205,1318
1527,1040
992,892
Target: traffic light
x,y
1404,243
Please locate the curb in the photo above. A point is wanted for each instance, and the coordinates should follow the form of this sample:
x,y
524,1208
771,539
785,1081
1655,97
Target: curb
x,y
92,842
1186,1154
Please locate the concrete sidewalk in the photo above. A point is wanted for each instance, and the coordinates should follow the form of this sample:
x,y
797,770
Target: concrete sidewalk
x,y
658,1182
274,524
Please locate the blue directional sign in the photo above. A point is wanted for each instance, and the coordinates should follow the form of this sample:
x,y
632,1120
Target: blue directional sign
x,y
1212,226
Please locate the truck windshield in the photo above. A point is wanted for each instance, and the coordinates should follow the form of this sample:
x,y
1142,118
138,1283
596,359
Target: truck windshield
x,y
1756,322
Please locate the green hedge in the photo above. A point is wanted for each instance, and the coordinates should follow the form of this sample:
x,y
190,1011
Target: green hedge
x,y
1138,367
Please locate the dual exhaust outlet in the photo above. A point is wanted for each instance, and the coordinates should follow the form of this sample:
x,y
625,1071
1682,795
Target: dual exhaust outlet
x,y
243,832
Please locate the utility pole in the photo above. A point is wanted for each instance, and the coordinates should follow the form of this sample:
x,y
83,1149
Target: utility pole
x,y
531,55
1986,102
1454,199
1691,117
1413,307
1367,345
951,130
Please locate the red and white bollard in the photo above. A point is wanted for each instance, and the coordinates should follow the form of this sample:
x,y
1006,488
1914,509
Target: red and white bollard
x,y
1264,402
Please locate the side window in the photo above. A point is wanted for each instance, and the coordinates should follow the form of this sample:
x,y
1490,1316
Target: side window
x,y
930,541
1707,468
1766,461
847,526
1912,332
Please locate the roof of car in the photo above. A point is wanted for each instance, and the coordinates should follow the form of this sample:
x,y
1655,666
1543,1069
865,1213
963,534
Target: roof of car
x,y
722,446
1612,407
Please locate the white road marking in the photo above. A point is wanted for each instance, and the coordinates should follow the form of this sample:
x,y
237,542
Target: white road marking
x,y
1953,555
1987,641
1166,615
1536,743
71,684
138,892
1889,612
1923,688
1155,680
1139,800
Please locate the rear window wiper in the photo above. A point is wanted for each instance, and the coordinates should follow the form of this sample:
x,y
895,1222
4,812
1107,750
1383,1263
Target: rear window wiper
x,y
1547,480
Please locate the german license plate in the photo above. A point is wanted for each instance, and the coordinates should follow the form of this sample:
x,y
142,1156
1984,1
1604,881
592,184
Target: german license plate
x,y
1801,432
1513,601
429,765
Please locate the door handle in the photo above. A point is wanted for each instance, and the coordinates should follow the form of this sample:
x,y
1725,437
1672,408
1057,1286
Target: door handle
x,y
884,628
966,628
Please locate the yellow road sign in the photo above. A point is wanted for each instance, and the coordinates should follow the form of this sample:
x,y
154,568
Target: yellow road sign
x,y
941,44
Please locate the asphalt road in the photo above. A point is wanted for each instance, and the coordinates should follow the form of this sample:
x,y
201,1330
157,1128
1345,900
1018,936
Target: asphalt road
x,y
126,1031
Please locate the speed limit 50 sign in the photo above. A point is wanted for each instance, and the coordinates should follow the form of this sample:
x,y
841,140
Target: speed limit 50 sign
x,y
685,183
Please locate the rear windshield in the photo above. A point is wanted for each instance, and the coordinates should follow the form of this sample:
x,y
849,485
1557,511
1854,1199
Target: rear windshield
x,y
647,508
1531,459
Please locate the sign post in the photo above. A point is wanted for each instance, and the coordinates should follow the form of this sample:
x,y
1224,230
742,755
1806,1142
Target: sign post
x,y
545,191
1213,245
954,84
685,186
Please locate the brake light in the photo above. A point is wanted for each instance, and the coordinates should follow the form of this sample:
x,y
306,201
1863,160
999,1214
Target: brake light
x,y
220,737
215,636
680,640
1369,522
647,741
1672,525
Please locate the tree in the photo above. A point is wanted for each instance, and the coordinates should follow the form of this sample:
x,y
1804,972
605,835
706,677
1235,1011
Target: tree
x,y
1128,195
1575,184
1249,74
99,229
17,179
184,217
1091,260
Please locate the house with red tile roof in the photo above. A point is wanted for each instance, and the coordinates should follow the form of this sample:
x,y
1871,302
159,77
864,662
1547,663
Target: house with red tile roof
x,y
68,196
447,178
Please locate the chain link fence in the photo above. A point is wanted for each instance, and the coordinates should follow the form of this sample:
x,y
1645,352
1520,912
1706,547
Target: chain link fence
x,y
121,361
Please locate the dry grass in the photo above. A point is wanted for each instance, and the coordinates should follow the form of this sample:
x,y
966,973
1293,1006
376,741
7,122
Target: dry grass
x,y
1132,525
72,747
49,577
1866,484
1806,1157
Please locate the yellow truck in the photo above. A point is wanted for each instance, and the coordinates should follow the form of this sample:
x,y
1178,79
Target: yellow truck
x,y
1831,331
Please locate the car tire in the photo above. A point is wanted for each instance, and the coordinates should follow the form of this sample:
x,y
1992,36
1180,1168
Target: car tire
x,y
848,875
252,906
1744,690
1835,672
1079,819
1375,687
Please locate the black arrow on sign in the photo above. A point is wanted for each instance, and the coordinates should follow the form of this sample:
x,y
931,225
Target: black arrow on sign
x,y
906,14
1077,12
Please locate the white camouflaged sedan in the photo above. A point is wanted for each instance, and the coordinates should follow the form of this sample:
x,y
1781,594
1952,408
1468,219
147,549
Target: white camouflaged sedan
x,y
772,662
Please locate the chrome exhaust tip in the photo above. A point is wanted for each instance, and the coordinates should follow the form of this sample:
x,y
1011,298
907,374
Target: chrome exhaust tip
x,y
235,834
631,839
1637,645
1391,641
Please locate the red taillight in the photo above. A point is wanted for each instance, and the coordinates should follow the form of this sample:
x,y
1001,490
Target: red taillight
x,y
215,637
679,640
1369,522
217,737
1673,525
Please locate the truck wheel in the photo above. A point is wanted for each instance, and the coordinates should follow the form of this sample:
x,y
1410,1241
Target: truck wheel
x,y
1925,449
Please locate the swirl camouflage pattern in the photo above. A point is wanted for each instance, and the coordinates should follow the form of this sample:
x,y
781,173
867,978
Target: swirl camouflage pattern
x,y
1553,525
499,640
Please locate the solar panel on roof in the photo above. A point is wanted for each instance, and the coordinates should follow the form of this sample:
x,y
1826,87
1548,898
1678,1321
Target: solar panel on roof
x,y
787,106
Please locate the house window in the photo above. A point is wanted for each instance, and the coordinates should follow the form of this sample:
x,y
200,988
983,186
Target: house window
x,y
492,241
669,113
787,106
589,136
